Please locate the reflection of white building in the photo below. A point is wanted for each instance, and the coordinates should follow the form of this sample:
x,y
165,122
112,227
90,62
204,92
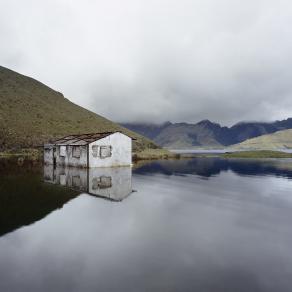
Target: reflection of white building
x,y
90,150
110,183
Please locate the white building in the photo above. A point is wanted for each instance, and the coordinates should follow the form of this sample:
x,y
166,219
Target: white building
x,y
106,149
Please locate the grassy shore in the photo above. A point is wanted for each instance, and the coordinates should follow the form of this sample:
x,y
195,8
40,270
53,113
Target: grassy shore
x,y
153,154
257,154
37,154
30,154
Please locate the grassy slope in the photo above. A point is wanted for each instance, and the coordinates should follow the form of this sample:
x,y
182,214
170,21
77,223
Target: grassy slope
x,y
149,154
31,113
277,140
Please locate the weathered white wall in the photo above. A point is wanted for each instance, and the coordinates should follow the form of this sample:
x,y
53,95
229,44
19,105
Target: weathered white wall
x,y
121,151
48,155
69,160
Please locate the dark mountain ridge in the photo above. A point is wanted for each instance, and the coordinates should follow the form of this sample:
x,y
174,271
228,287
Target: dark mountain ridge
x,y
205,133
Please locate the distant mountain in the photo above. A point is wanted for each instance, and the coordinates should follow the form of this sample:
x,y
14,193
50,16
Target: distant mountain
x,y
31,113
147,130
205,134
278,140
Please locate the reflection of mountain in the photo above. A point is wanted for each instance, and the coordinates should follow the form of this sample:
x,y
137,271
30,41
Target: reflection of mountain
x,y
24,199
114,184
207,167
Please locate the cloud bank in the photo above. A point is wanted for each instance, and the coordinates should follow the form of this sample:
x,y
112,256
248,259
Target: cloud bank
x,y
157,60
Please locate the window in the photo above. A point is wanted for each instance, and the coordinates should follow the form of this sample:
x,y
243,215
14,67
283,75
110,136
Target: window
x,y
105,151
101,151
63,151
95,151
76,151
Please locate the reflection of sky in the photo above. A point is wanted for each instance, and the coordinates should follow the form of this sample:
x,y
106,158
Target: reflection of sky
x,y
230,233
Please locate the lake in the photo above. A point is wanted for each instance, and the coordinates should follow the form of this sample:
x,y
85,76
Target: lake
x,y
202,224
220,151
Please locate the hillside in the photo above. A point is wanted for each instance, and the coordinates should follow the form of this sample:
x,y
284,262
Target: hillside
x,y
205,134
31,113
278,140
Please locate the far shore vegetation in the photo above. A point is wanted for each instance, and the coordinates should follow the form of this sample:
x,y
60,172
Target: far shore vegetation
x,y
30,153
153,154
36,155
257,154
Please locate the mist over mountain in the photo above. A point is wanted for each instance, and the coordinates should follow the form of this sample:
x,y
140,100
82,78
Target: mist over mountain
x,y
205,133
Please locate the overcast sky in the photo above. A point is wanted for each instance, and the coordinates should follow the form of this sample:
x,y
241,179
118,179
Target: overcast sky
x,y
157,60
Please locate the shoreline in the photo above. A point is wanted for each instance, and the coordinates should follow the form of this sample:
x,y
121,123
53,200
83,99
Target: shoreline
x,y
36,155
33,154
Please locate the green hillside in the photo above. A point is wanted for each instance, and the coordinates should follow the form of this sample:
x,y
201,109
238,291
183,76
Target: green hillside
x,y
277,140
31,113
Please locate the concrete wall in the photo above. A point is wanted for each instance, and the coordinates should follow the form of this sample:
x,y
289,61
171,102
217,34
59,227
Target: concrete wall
x,y
48,154
69,160
121,151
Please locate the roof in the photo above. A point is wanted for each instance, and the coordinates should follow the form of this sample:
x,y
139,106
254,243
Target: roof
x,y
83,139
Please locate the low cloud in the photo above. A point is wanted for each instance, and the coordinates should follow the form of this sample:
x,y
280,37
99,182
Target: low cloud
x,y
159,60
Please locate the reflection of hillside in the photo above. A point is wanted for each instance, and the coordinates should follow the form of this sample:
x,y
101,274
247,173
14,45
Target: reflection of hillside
x,y
114,184
207,167
24,199
199,166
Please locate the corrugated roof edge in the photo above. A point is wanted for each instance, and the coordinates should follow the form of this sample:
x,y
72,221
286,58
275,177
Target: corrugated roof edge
x,y
87,138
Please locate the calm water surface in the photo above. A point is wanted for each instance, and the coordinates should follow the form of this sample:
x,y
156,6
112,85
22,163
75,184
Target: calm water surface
x,y
205,224
216,151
